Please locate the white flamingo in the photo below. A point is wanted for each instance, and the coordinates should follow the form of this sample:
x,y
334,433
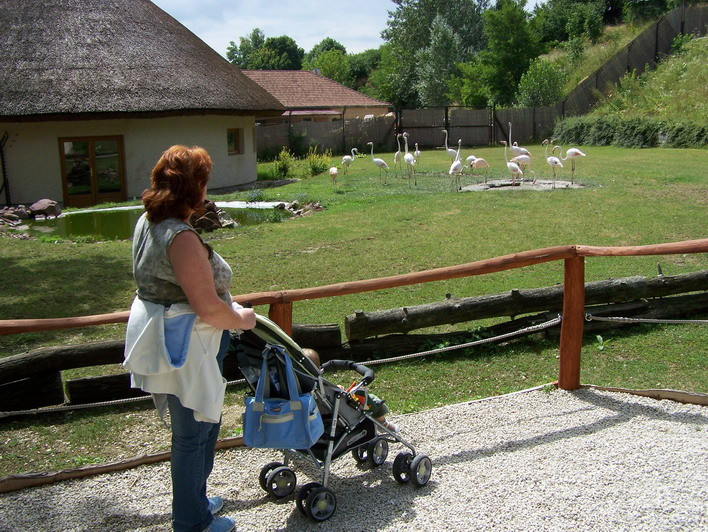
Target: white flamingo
x,y
349,159
416,153
513,167
378,162
333,172
410,161
470,161
479,162
456,167
515,148
452,153
398,155
524,162
572,154
553,162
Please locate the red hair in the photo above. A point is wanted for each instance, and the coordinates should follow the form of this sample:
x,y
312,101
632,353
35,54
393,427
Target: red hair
x,y
176,183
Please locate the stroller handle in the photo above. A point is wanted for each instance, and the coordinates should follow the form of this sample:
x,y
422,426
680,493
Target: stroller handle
x,y
366,373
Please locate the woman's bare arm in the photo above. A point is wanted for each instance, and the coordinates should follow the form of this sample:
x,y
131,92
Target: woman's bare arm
x,y
190,261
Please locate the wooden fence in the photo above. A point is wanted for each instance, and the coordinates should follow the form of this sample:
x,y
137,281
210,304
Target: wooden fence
x,y
573,316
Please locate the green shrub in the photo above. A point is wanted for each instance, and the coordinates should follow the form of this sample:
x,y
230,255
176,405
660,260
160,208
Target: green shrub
x,y
318,162
542,84
283,164
637,132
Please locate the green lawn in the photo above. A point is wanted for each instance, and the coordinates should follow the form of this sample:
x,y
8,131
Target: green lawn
x,y
368,230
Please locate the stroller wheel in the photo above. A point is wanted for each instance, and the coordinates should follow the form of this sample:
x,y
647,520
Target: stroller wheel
x,y
402,467
377,451
302,495
320,503
281,482
421,468
263,476
361,454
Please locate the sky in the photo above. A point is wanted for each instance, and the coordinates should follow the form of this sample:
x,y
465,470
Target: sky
x,y
355,24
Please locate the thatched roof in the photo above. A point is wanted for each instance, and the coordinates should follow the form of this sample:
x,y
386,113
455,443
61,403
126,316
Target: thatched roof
x,y
100,58
303,89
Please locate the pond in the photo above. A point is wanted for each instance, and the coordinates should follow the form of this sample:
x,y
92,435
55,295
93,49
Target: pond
x,y
118,223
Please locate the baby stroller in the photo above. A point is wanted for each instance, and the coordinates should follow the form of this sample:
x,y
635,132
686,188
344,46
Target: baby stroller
x,y
348,428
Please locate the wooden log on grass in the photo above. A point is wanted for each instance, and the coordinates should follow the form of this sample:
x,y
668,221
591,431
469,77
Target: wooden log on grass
x,y
362,324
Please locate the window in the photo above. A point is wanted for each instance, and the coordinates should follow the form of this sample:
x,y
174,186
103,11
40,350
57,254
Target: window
x,y
234,141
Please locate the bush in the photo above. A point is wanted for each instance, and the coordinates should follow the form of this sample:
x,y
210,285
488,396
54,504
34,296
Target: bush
x,y
641,10
318,162
283,164
542,84
644,132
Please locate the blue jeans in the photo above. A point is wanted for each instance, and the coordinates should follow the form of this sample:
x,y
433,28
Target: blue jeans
x,y
191,461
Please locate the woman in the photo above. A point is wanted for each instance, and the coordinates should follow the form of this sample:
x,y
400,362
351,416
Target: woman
x,y
177,333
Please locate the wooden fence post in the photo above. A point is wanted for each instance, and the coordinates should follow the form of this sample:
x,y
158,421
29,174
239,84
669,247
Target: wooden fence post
x,y
571,340
282,314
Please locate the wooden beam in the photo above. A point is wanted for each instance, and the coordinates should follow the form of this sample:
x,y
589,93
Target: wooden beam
x,y
282,314
571,339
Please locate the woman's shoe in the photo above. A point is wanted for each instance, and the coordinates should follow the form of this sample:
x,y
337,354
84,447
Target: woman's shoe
x,y
215,505
221,524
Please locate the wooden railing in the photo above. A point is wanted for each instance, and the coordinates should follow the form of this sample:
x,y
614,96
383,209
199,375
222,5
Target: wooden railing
x,y
281,302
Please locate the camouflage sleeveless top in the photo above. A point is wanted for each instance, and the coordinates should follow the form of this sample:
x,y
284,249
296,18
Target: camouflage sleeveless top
x,y
152,268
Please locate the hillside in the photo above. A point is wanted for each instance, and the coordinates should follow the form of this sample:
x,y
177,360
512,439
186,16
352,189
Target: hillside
x,y
676,90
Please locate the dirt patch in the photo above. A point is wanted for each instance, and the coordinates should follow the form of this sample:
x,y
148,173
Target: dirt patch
x,y
506,184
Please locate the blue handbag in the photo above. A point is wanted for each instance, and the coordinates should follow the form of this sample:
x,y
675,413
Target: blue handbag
x,y
277,423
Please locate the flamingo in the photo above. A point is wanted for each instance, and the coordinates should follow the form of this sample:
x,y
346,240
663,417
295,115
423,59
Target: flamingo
x,y
397,155
416,153
513,167
456,167
553,162
333,174
410,161
347,159
452,153
378,162
515,148
572,154
480,163
470,161
524,162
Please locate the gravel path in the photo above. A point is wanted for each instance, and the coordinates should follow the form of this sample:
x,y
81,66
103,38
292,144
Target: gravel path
x,y
587,460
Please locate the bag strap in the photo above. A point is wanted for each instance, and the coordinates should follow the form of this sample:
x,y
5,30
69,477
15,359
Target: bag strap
x,y
263,386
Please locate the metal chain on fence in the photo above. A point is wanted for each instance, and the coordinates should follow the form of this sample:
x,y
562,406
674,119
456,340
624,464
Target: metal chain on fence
x,y
590,317
67,408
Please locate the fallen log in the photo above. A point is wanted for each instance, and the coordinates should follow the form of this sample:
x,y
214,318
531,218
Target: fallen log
x,y
362,324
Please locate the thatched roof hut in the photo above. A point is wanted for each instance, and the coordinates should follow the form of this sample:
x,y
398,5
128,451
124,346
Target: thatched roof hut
x,y
86,59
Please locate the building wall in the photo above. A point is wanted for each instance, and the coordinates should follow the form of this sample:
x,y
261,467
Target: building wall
x,y
33,161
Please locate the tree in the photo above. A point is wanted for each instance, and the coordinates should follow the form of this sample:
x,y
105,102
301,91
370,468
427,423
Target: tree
x,y
390,82
240,55
324,45
408,30
436,63
277,53
511,45
334,64
466,86
540,85
363,64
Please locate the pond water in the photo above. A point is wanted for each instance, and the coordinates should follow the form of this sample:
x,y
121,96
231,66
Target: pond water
x,y
118,223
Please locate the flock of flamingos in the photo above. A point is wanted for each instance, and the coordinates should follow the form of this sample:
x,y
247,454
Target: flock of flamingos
x,y
519,163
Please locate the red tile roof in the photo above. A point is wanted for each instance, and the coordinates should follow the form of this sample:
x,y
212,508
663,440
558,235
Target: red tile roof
x,y
303,89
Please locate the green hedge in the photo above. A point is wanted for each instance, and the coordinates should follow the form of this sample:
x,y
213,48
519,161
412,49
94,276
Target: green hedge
x,y
643,132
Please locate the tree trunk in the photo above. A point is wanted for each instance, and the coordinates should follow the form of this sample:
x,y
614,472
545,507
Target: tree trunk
x,y
362,324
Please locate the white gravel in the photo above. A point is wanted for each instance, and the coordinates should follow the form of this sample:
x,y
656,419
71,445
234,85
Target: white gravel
x,y
585,460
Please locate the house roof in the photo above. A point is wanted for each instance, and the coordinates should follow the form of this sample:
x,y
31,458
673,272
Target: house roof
x,y
63,58
303,89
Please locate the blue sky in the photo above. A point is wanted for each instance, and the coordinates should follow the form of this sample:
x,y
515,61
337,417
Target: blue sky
x,y
357,25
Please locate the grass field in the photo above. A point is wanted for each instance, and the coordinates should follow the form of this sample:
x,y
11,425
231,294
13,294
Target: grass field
x,y
368,230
